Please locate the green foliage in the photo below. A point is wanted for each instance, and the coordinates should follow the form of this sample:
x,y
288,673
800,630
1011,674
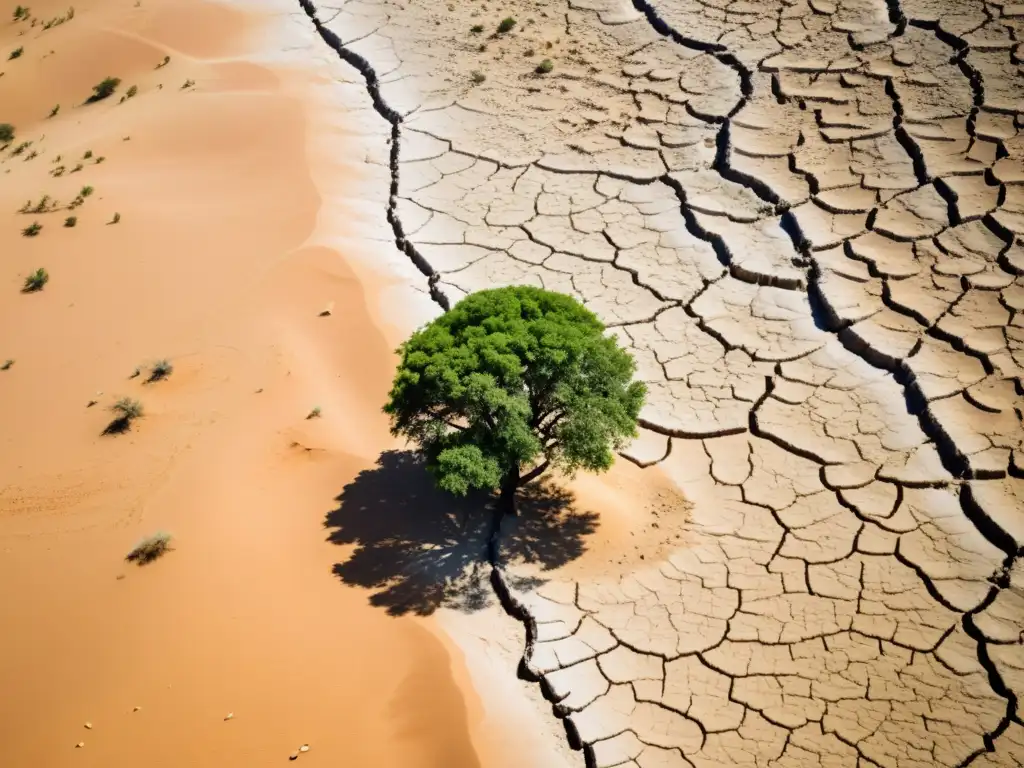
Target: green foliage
x,y
132,91
506,25
476,29
88,154
6,133
104,88
70,221
16,53
20,12
161,370
510,378
315,413
36,281
544,67
32,230
86,190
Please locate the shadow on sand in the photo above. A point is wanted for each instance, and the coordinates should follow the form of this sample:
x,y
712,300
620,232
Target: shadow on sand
x,y
419,548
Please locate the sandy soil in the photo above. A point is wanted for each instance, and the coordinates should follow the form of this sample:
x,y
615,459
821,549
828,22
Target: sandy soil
x,y
207,268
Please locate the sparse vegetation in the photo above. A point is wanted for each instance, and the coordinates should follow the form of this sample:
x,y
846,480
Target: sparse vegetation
x,y
16,53
104,89
86,191
314,414
6,365
20,148
132,91
164,63
6,133
21,13
161,370
100,159
125,410
77,168
150,548
476,29
478,76
88,154
544,67
36,281
506,25
529,52
116,219
70,221
32,230
55,110
188,84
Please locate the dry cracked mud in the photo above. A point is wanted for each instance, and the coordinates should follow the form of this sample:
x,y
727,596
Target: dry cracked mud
x,y
806,220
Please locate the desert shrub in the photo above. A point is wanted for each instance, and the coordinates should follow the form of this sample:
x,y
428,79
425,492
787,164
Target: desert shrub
x,y
506,25
6,365
125,410
32,230
6,133
70,221
150,548
36,281
16,53
544,67
86,191
132,91
104,88
476,29
188,84
314,414
164,63
478,77
20,148
55,110
116,219
88,154
161,370
20,12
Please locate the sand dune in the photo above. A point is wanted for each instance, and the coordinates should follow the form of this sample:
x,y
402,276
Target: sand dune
x,y
208,268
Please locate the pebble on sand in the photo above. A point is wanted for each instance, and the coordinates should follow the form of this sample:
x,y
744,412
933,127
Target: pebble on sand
x,y
136,709
88,725
229,715
79,745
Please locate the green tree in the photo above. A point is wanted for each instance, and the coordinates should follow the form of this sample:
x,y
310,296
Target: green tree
x,y
509,382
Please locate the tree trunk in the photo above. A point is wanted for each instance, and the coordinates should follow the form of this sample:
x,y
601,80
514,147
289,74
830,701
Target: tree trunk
x,y
507,499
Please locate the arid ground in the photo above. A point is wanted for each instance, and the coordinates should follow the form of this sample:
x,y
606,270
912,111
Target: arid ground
x,y
805,218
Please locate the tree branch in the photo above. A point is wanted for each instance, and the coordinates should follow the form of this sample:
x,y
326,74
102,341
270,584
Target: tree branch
x,y
534,473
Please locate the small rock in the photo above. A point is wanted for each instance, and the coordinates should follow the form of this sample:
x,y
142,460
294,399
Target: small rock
x,y
293,756
328,310
229,715
88,725
79,745
304,748
136,709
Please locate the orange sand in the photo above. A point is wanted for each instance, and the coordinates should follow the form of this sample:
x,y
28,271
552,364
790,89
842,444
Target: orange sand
x,y
207,267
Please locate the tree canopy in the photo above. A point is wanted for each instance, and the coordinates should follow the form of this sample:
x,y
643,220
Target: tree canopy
x,y
514,379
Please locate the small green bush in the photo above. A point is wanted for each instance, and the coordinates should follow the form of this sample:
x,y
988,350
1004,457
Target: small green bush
x,y
88,154
150,548
6,133
70,221
544,67
86,191
116,219
6,365
132,91
476,29
16,53
164,63
55,110
32,229
36,281
314,414
506,25
104,88
20,12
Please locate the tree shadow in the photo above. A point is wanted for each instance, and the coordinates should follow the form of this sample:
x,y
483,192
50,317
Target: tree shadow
x,y
419,548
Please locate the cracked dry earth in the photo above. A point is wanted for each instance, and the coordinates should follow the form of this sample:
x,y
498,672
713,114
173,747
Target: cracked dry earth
x,y
805,220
